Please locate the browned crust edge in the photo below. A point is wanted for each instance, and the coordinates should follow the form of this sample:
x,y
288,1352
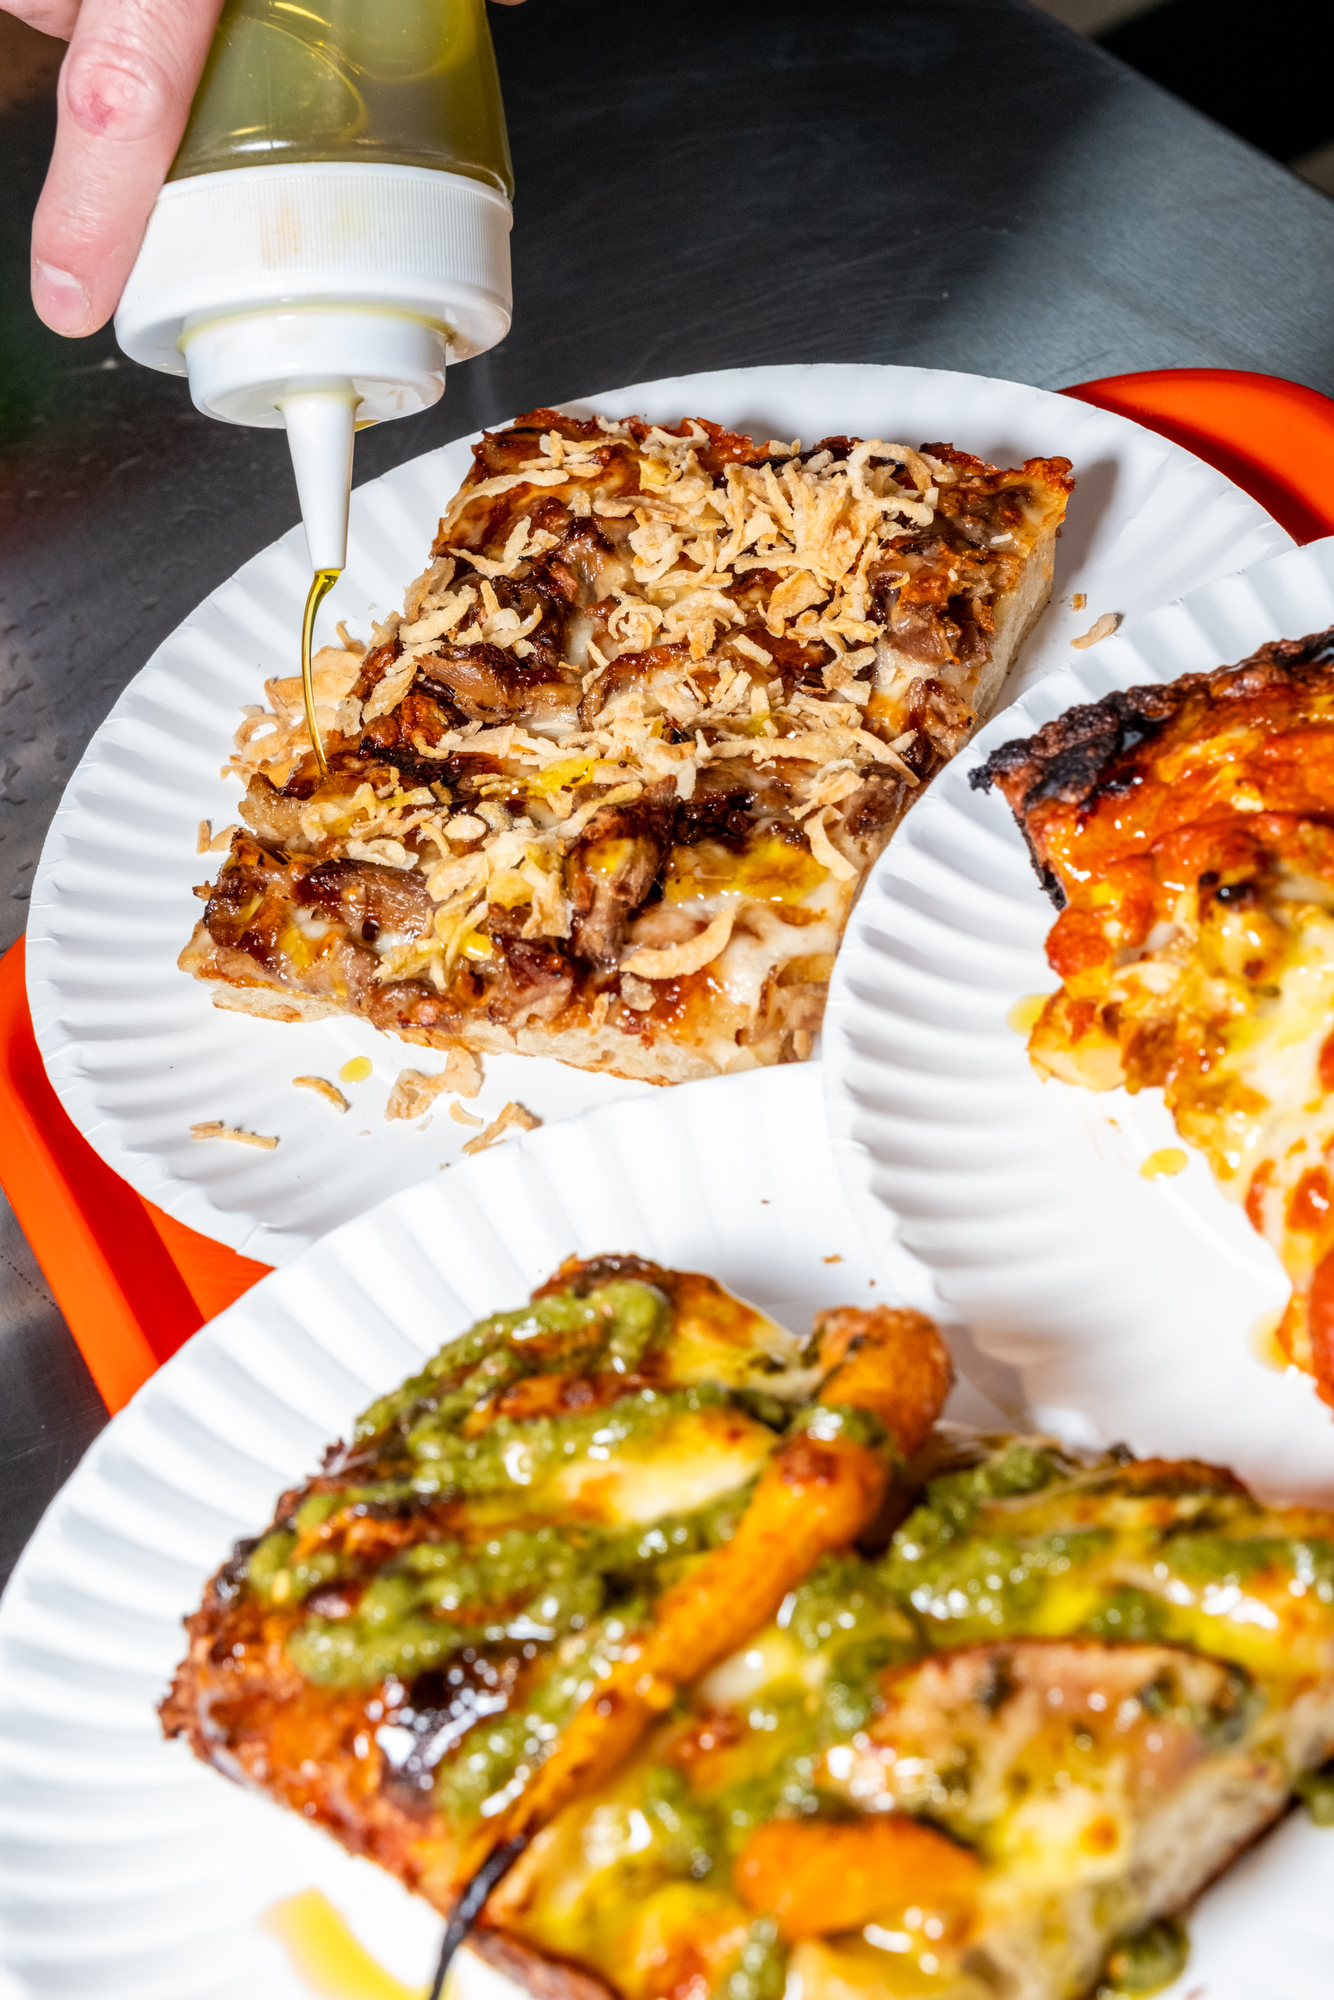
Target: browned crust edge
x,y
557,1979
1075,756
605,1051
544,1978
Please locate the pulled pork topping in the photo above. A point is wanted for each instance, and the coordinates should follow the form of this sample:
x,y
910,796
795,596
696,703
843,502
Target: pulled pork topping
x,y
649,676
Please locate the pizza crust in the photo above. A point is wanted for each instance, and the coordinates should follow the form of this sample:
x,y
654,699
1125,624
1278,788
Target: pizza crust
x,y
544,1978
1183,832
605,1050
607,792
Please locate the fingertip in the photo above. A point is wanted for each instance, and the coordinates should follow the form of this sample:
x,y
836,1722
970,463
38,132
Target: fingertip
x,y
61,301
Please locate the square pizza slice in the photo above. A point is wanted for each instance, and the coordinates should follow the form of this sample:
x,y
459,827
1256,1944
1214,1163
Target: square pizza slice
x,y
1186,834
609,786
488,1592
995,1762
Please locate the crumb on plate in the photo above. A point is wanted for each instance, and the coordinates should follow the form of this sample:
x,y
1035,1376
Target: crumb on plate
x,y
329,1091
1101,628
513,1115
213,1128
208,842
413,1093
415,1090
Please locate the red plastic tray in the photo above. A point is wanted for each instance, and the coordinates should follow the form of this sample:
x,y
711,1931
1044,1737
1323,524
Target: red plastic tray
x,y
133,1284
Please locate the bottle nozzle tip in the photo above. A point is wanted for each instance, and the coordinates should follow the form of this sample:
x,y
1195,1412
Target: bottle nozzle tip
x,y
321,424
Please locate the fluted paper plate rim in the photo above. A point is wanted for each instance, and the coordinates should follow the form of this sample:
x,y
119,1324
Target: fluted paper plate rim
x,y
1131,1308
135,1050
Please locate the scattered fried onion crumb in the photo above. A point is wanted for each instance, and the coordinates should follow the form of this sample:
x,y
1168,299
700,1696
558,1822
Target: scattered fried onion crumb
x,y
637,994
835,1259
675,960
1079,600
462,1117
463,1071
329,1091
1101,628
208,842
414,1092
213,1128
513,1115
823,848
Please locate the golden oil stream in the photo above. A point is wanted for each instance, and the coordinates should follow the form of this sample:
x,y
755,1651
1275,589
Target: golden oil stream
x,y
323,582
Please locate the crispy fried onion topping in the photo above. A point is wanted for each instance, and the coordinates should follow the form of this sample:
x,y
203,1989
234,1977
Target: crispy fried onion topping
x,y
718,625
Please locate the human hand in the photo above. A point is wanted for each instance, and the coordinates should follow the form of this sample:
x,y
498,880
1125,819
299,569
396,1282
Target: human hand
x,y
125,90
122,101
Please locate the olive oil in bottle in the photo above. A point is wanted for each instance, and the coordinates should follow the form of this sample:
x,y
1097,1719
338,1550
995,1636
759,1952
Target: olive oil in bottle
x,y
408,83
334,231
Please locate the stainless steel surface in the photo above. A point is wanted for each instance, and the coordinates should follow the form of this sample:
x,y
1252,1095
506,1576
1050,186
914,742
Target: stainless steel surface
x,y
49,1409
965,185
1092,17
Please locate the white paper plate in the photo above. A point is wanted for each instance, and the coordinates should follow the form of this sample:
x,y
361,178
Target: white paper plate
x,y
135,1049
1130,1307
130,1872
127,1869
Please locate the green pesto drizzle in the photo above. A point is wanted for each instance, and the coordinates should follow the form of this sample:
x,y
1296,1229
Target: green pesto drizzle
x,y
1145,1963
536,1584
1316,1791
759,1970
615,1325
974,1560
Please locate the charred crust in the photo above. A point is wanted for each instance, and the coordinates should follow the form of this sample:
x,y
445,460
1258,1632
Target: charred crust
x,y
582,1275
1096,748
1075,758
227,1583
1071,759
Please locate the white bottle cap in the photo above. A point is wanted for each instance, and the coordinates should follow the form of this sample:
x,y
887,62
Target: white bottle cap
x,y
320,297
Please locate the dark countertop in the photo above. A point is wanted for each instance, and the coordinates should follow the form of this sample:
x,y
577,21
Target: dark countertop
x,y
963,184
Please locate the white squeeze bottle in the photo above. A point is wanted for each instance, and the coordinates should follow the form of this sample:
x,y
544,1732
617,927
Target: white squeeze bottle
x,y
334,229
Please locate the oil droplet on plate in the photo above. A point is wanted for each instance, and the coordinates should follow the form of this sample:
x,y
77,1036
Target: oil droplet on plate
x,y
1166,1161
1023,1016
325,1955
1264,1344
356,1070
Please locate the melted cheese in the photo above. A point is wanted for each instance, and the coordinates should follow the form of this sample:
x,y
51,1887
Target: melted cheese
x,y
696,1459
1196,952
649,675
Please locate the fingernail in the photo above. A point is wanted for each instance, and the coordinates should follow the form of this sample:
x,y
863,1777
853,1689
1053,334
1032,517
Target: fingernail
x,y
60,299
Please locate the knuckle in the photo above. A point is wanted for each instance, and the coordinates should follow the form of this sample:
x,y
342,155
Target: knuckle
x,y
113,93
